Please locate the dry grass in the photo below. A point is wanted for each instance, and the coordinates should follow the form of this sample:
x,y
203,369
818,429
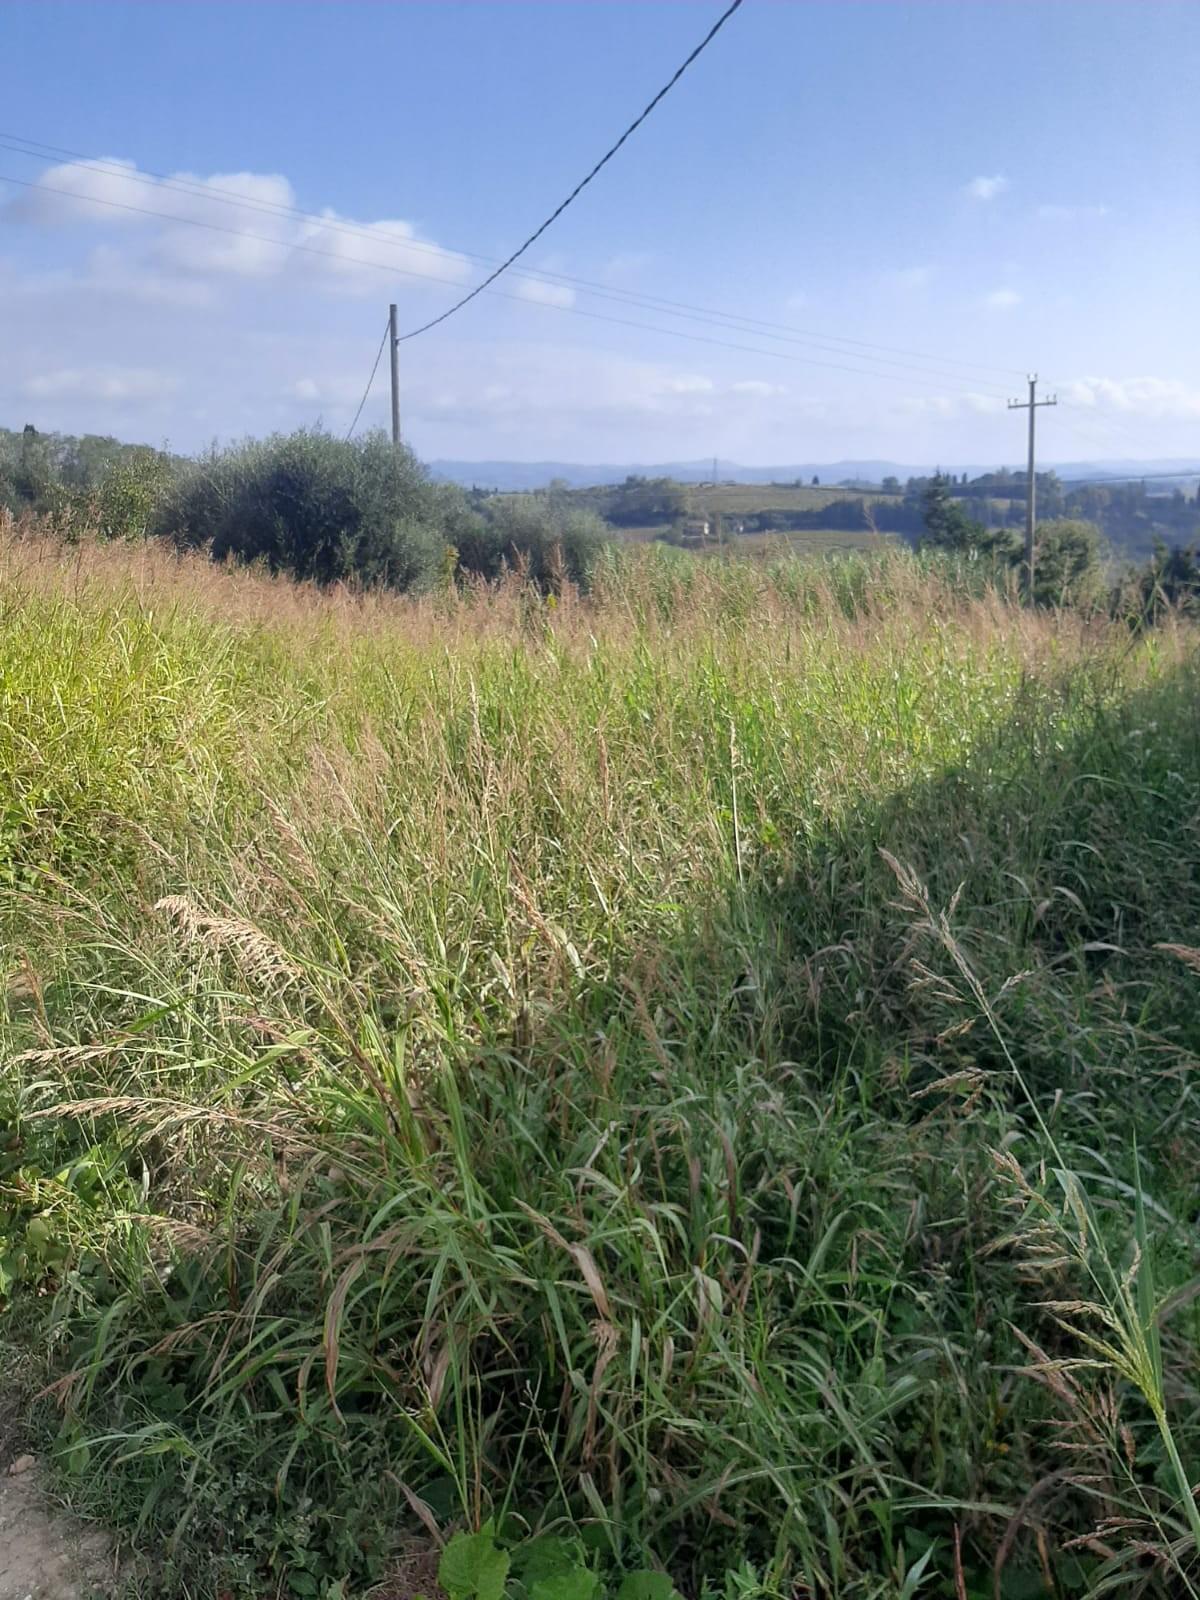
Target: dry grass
x,y
468,1051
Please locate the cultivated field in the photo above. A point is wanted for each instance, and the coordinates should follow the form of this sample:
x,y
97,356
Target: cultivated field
x,y
703,1072
747,499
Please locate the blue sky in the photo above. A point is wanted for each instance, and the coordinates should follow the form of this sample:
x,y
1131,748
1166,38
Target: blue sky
x,y
937,196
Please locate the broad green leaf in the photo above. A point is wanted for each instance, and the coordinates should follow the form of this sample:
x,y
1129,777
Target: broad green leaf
x,y
473,1565
545,1557
578,1584
646,1586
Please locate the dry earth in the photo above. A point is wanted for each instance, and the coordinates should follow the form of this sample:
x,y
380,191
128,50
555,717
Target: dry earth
x,y
45,1553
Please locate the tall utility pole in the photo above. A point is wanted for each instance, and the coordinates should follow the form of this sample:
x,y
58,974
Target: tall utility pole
x,y
394,341
1031,405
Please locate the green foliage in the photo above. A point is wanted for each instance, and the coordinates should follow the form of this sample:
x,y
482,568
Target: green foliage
x,y
318,508
483,1077
538,535
642,502
485,1566
1069,569
1168,583
94,482
947,525
474,1567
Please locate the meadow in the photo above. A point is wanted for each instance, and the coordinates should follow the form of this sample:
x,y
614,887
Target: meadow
x,y
687,1087
746,499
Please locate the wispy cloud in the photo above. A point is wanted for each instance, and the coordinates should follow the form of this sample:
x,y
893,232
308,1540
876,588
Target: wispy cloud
x,y
758,388
1148,397
1002,300
687,383
540,292
949,405
987,188
113,384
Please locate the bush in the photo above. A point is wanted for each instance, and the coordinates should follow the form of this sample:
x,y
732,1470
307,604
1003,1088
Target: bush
x,y
535,533
1069,569
1170,580
93,481
319,508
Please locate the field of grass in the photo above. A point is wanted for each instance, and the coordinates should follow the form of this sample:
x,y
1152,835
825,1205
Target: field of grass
x,y
809,542
747,499
803,542
696,1079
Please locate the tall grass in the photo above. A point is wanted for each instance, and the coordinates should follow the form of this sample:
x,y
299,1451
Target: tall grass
x,y
469,1058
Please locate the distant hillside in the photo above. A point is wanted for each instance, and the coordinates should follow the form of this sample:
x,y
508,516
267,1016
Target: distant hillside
x,y
517,475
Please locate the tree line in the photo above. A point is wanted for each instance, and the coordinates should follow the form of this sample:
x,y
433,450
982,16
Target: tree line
x,y
315,507
328,510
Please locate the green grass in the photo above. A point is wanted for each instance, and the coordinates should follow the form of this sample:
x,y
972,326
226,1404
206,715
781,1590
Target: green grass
x,y
809,542
746,499
773,546
693,1071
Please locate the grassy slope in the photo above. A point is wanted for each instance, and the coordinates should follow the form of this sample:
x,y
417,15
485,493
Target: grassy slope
x,y
744,499
476,1050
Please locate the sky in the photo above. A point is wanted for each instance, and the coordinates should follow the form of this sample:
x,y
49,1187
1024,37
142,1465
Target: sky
x,y
881,215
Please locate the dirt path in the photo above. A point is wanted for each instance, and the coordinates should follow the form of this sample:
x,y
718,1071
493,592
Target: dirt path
x,y
45,1553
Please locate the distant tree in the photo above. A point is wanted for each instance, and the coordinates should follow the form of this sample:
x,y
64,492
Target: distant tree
x,y
646,502
891,485
947,525
31,476
816,481
1170,580
1069,568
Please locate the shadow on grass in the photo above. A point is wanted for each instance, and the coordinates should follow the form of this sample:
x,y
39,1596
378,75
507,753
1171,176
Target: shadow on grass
x,y
712,1260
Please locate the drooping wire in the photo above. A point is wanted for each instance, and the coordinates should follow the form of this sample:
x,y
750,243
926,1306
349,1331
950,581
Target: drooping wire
x,y
583,182
328,225
923,376
366,392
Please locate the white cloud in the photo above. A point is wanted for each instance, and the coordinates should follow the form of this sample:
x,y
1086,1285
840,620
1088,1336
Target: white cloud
x,y
306,389
103,190
539,292
757,387
240,224
987,188
796,301
1166,398
1057,213
1002,300
950,406
109,383
687,383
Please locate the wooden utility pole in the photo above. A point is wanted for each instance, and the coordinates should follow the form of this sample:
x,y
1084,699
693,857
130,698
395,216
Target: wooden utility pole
x,y
394,340
1031,482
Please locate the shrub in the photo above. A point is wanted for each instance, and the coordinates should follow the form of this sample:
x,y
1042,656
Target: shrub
x,y
534,533
1170,580
1069,568
319,508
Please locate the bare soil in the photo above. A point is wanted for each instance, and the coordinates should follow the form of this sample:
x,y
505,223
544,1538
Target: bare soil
x,y
45,1553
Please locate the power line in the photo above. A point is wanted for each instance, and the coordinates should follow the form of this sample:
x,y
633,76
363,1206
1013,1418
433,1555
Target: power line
x,y
920,376
583,182
370,380
737,321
